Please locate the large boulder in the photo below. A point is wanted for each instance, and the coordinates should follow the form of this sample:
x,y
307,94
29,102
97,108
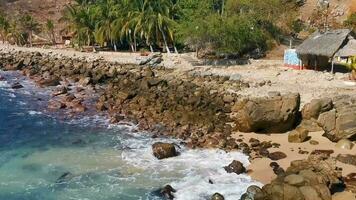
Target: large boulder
x,y
275,114
164,150
340,123
316,107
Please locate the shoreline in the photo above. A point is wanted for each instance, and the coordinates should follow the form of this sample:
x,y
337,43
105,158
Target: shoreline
x,y
210,89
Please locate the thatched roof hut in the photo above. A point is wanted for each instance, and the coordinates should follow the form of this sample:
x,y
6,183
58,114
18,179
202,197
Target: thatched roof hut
x,y
348,50
325,44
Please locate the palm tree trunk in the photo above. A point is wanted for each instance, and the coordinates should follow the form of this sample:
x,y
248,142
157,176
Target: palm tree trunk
x,y
30,38
165,42
151,48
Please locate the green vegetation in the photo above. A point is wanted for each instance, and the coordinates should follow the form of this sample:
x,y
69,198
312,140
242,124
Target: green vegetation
x,y
351,21
210,26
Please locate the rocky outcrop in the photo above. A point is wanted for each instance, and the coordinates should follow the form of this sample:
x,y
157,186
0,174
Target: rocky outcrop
x,y
340,122
217,196
192,107
310,179
270,115
164,150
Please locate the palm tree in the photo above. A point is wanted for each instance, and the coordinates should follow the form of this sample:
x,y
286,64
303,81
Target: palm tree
x,y
15,33
30,26
50,31
4,27
107,12
80,22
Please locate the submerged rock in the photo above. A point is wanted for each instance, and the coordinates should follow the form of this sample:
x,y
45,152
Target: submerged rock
x,y
167,192
16,85
164,150
235,167
65,177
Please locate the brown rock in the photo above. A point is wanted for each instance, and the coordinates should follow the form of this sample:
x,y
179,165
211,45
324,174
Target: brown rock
x,y
254,193
164,150
294,179
350,182
347,159
316,107
299,135
56,105
217,196
277,155
270,115
235,167
167,191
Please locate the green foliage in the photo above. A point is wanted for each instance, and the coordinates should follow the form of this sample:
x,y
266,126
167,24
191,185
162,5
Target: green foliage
x,y
351,21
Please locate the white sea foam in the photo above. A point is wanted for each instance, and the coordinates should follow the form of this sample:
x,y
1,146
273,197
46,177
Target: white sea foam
x,y
196,167
32,112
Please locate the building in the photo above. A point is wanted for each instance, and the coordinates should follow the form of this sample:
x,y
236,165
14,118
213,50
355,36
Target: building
x,y
322,50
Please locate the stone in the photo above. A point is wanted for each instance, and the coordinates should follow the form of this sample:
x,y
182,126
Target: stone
x,y
294,179
217,196
235,167
309,193
167,192
267,115
254,193
47,82
116,118
59,91
344,144
316,107
327,120
16,85
313,142
164,150
65,177
278,155
347,159
325,153
350,182
299,135
55,105
2,78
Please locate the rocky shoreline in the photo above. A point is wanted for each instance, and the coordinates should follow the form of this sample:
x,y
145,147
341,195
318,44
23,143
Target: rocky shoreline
x,y
199,109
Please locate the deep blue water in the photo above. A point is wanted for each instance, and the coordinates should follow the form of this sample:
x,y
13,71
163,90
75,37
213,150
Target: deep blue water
x,y
102,162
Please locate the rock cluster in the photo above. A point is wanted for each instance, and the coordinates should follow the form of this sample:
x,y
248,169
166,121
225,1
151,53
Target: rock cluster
x,y
312,179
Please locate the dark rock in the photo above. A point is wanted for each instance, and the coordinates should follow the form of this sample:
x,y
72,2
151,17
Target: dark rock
x,y
325,153
350,182
164,150
116,118
2,78
277,155
47,82
65,177
217,196
269,115
167,192
16,85
59,91
347,159
235,167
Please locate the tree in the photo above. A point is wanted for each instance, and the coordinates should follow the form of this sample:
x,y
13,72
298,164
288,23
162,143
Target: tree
x,y
50,31
4,27
30,26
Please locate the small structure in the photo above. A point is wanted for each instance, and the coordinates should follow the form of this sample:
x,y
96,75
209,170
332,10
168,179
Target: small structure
x,y
322,49
291,59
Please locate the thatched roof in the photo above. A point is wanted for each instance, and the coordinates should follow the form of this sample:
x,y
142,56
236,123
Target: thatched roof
x,y
324,44
348,50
